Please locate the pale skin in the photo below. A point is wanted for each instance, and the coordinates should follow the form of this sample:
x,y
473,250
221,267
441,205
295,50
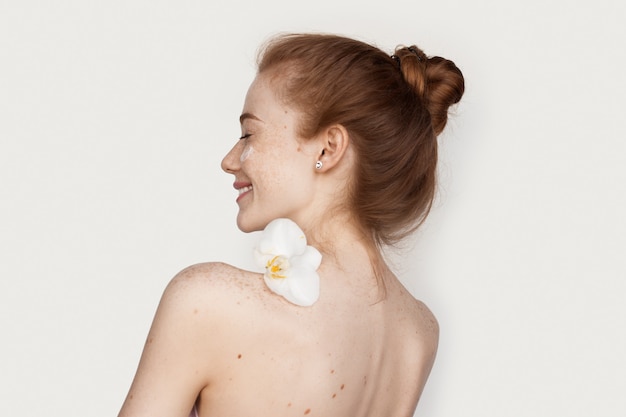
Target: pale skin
x,y
222,340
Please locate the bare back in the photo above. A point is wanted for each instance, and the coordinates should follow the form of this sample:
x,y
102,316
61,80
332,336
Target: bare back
x,y
341,358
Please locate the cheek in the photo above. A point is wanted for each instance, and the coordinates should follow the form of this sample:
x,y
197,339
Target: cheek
x,y
247,153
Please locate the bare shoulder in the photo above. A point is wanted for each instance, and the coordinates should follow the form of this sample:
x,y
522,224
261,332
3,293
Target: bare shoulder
x,y
426,320
181,352
427,327
419,335
207,299
420,330
209,273
213,296
202,290
214,282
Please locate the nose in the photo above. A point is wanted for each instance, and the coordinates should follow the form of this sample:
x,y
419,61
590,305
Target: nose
x,y
231,162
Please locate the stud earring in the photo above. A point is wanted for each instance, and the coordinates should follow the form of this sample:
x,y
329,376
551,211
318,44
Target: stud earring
x,y
318,165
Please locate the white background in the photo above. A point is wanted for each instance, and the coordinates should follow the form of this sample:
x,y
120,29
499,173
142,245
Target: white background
x,y
114,116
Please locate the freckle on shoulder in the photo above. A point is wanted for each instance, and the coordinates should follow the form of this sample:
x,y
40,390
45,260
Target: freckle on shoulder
x,y
214,277
426,328
213,271
426,317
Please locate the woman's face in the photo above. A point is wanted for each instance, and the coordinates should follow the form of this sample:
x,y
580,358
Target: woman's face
x,y
274,169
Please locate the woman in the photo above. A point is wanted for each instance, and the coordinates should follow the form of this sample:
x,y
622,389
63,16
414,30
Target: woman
x,y
340,138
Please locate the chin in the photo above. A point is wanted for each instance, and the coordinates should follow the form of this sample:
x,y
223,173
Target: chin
x,y
246,229
248,226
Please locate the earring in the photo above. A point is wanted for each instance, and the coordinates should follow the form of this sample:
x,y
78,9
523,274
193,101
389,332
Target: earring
x,y
318,165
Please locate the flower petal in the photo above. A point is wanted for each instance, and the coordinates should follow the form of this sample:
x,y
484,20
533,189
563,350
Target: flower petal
x,y
290,265
311,258
304,287
278,286
261,259
282,237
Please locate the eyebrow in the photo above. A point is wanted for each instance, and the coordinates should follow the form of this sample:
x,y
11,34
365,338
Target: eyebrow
x,y
245,116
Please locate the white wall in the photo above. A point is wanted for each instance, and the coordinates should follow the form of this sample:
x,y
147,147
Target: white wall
x,y
114,117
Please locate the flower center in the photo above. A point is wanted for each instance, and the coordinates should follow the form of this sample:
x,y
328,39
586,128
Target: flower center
x,y
276,266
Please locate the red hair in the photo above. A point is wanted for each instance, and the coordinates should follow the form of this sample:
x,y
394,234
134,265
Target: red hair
x,y
393,108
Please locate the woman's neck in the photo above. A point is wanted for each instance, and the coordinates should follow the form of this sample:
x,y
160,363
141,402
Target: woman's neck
x,y
348,251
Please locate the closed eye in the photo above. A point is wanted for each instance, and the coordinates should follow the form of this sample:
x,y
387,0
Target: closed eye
x,y
246,136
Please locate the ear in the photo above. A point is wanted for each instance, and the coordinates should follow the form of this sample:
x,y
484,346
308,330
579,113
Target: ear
x,y
333,142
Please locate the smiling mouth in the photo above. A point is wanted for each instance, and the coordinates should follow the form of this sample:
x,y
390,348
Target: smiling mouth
x,y
244,189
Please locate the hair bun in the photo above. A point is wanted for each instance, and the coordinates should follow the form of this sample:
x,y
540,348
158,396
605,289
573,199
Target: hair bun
x,y
437,81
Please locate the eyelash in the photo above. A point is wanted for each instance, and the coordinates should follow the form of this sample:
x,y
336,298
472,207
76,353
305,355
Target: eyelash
x,y
246,136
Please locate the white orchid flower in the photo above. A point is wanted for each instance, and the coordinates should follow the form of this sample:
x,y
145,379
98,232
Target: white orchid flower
x,y
290,265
